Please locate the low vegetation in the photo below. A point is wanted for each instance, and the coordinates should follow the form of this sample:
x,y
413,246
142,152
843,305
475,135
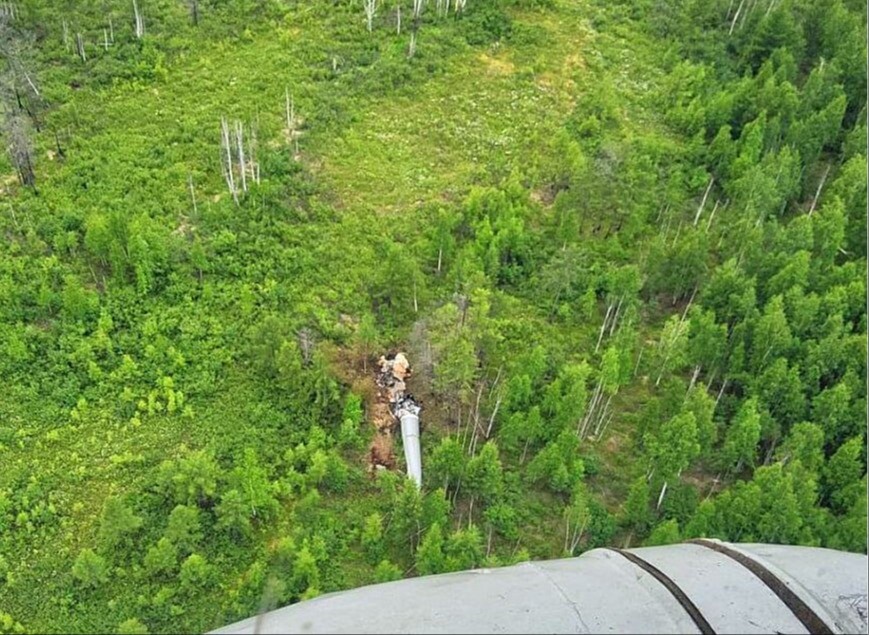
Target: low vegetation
x,y
622,243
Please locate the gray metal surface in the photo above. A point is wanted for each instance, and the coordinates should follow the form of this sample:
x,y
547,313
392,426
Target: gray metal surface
x,y
823,578
410,440
600,591
731,600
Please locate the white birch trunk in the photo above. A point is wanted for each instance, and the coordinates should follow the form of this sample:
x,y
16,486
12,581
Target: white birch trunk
x,y
661,496
227,151
616,317
735,17
703,202
79,45
370,8
818,191
242,168
411,47
603,326
192,194
720,392
140,23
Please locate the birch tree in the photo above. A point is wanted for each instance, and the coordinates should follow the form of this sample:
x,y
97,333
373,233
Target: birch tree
x,y
637,514
138,21
672,346
226,159
667,533
707,342
607,386
242,166
79,47
672,449
772,337
484,477
566,397
622,285
430,553
702,406
370,8
742,437
411,46
293,130
237,158
576,518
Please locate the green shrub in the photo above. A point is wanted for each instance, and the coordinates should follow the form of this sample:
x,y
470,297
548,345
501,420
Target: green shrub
x,y
89,569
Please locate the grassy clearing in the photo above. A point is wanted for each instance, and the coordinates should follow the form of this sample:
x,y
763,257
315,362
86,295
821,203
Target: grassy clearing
x,y
551,115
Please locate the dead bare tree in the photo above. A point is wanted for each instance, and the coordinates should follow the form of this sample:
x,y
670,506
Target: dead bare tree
x,y
460,6
398,19
293,123
20,149
242,166
306,345
252,148
411,47
139,21
291,109
370,8
417,9
7,10
226,159
236,160
193,7
60,152
19,97
16,48
192,195
79,47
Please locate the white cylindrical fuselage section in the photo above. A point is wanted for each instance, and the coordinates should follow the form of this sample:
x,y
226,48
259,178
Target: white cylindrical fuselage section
x,y
410,440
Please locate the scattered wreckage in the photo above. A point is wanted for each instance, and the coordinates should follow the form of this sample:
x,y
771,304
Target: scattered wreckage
x,y
395,404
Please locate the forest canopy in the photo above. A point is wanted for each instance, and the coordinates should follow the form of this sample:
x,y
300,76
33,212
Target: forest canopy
x,y
622,242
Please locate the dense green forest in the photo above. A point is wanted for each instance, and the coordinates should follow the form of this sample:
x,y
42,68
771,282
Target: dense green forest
x,y
622,242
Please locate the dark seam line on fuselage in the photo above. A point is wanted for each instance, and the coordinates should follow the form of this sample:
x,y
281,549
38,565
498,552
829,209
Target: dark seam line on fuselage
x,y
683,600
811,620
